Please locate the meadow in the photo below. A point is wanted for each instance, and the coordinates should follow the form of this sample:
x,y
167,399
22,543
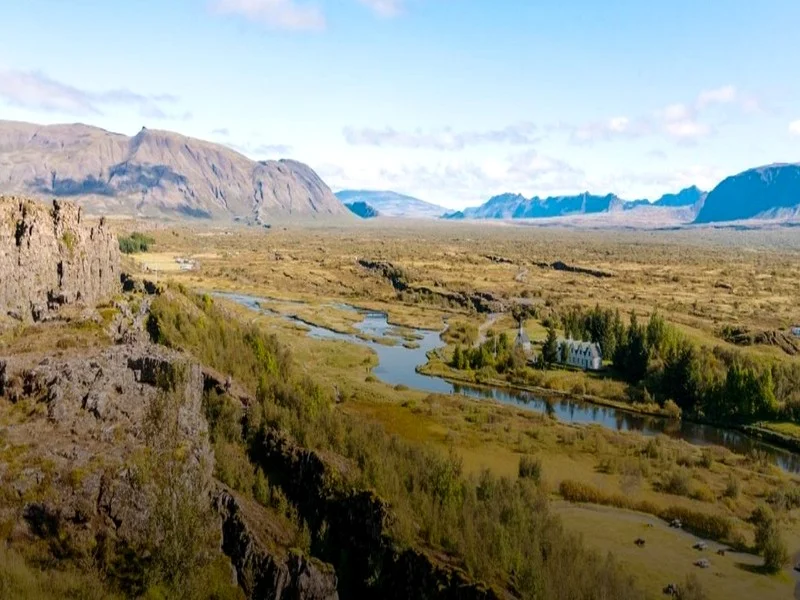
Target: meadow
x,y
703,283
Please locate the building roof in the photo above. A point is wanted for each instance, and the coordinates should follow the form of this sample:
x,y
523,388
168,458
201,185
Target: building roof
x,y
522,338
588,349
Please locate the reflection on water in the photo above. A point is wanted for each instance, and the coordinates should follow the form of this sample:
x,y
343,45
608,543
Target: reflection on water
x,y
397,365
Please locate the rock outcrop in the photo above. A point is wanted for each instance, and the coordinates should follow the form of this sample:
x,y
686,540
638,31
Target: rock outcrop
x,y
50,257
357,540
84,480
263,573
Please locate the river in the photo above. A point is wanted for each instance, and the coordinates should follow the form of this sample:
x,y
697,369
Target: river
x,y
397,365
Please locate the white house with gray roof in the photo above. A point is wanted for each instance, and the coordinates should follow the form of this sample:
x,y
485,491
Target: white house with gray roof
x,y
584,355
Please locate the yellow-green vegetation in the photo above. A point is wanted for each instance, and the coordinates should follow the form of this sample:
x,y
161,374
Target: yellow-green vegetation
x,y
696,285
495,528
135,242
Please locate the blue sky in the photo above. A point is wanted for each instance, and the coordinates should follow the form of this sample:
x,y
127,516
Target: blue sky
x,y
449,100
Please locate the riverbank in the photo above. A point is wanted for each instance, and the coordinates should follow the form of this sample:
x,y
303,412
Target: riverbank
x,y
435,370
761,432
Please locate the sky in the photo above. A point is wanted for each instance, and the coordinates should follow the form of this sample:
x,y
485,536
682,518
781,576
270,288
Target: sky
x,y
451,101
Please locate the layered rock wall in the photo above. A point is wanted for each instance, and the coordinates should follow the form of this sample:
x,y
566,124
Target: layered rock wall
x,y
50,257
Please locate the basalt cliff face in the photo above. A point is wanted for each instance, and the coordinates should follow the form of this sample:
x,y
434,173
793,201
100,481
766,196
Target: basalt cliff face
x,y
50,257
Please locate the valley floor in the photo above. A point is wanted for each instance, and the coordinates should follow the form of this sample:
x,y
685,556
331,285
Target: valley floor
x,y
745,279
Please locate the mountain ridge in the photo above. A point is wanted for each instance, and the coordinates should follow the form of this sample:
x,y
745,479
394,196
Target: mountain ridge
x,y
392,204
768,191
516,206
155,172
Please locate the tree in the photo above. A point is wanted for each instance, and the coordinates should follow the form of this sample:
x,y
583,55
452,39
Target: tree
x,y
768,539
564,353
637,356
679,378
550,347
457,358
657,334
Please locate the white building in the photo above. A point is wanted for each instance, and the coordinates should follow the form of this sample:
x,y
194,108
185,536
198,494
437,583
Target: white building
x,y
584,355
796,331
522,342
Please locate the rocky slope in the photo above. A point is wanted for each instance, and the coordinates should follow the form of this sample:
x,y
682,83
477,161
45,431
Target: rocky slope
x,y
154,173
771,191
50,257
392,204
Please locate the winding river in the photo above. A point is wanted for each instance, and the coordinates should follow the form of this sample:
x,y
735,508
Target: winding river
x,y
397,366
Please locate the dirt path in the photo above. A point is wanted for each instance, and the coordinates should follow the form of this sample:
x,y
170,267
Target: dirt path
x,y
484,327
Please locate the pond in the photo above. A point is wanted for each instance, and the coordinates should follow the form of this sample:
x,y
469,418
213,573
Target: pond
x,y
397,365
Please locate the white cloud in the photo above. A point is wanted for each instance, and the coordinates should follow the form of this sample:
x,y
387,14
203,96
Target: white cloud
x,y
277,14
722,95
35,90
520,134
794,127
384,8
681,122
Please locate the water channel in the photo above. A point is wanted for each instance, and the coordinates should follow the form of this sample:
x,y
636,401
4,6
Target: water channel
x,y
397,365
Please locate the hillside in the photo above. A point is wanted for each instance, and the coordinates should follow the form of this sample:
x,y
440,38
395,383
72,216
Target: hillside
x,y
772,191
392,204
155,173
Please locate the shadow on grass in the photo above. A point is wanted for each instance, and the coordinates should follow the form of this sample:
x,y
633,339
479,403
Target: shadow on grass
x,y
755,569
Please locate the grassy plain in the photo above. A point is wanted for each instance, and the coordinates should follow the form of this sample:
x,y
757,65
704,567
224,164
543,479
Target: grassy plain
x,y
698,281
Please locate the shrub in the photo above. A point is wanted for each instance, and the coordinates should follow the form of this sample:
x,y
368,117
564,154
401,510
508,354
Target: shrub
x,y
677,482
691,589
530,467
703,493
732,488
135,242
672,409
768,540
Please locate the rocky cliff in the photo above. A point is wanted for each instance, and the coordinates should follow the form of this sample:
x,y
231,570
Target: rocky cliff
x,y
155,173
50,257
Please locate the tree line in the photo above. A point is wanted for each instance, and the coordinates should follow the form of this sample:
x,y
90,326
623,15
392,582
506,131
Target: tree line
x,y
714,383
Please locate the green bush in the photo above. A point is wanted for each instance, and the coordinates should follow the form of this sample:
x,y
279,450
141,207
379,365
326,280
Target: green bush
x,y
135,242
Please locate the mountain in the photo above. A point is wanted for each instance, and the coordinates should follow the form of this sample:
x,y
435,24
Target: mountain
x,y
155,173
362,209
686,197
516,206
392,204
769,191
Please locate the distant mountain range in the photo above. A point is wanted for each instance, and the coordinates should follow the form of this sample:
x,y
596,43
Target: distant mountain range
x,y
156,173
389,204
769,192
517,206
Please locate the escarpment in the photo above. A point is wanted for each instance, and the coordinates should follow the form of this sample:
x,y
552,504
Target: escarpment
x,y
50,257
